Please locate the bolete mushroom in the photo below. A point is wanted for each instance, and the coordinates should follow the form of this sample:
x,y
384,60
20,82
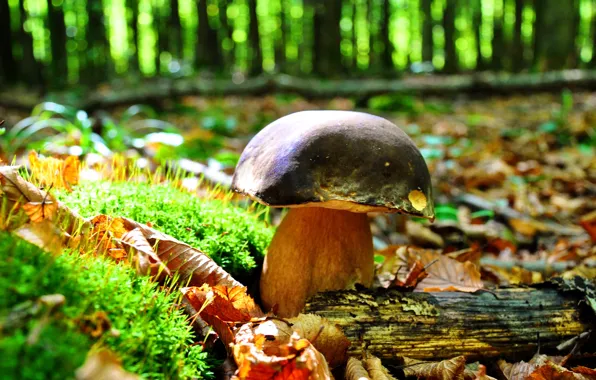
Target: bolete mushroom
x,y
329,168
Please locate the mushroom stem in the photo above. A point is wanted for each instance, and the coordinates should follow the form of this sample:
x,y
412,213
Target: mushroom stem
x,y
315,249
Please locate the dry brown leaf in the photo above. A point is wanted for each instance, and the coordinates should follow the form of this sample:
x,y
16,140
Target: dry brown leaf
x,y
416,274
261,356
103,365
552,371
145,259
44,235
452,369
444,273
327,338
588,222
238,308
375,369
584,371
16,188
194,267
106,233
95,324
519,370
355,370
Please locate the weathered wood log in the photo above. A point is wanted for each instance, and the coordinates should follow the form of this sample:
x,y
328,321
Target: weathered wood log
x,y
510,323
163,88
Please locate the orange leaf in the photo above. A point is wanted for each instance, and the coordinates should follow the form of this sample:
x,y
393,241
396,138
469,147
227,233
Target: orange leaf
x,y
40,211
416,273
588,222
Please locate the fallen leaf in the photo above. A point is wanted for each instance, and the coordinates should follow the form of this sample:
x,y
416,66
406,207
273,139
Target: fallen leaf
x,y
444,273
44,235
103,365
40,211
94,325
452,369
355,370
327,338
375,369
145,259
588,222
51,171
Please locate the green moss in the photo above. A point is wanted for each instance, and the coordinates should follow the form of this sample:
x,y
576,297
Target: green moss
x,y
233,237
147,330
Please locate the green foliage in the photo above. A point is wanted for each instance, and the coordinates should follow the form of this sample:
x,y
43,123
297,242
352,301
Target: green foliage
x,y
148,332
235,238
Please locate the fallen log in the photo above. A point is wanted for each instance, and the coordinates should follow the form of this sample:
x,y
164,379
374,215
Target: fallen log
x,y
511,323
309,87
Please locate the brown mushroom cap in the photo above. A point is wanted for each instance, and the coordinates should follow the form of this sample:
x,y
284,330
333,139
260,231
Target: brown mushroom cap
x,y
336,159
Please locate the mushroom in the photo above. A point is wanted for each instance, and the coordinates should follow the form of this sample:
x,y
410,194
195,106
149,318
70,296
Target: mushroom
x,y
329,168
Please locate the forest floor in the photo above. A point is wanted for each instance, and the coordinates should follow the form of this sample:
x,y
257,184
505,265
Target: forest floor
x,y
514,177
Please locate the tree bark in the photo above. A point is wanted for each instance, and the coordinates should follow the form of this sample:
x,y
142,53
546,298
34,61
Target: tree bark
x,y
449,28
254,37
476,25
387,54
498,41
8,64
96,60
174,32
518,62
208,52
133,6
507,322
57,26
485,83
427,31
557,36
327,53
30,69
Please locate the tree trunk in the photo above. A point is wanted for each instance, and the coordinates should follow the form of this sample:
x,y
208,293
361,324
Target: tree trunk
x,y
327,53
96,58
427,30
518,62
133,6
476,25
387,54
57,26
174,33
280,47
538,32
208,53
256,54
8,64
558,35
507,323
373,59
449,28
498,42
30,69
226,31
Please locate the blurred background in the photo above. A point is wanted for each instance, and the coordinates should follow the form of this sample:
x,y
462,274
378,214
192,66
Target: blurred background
x,y
51,44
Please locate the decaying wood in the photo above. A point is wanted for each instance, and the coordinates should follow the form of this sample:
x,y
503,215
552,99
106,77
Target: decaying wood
x,y
164,88
506,322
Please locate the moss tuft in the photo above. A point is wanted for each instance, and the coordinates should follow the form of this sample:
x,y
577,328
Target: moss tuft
x,y
146,328
232,236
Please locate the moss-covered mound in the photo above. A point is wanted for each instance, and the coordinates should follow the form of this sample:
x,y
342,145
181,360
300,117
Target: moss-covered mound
x,y
235,238
145,328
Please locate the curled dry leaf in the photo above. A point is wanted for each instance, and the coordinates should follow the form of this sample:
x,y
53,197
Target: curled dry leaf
x,y
103,365
40,211
260,355
194,267
105,235
452,369
355,370
325,336
44,235
51,171
444,273
375,369
145,259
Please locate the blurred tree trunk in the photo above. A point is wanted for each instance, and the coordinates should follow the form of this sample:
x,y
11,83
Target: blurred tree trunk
x,y
449,28
354,39
97,57
208,52
538,29
557,34
30,69
256,54
174,31
574,50
8,64
387,55
57,26
498,41
373,59
427,31
226,32
327,53
593,30
280,46
476,25
518,63
133,7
